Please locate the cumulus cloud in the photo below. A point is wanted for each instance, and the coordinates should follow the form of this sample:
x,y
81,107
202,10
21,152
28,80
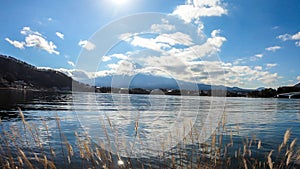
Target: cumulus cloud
x,y
164,26
270,65
148,43
295,37
122,67
15,43
162,41
106,58
183,63
215,39
34,39
249,74
194,9
208,48
298,78
259,55
60,35
86,44
273,48
258,68
119,56
169,54
164,44
213,72
27,31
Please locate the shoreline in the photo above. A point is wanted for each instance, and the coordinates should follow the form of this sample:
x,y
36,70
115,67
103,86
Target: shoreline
x,y
135,91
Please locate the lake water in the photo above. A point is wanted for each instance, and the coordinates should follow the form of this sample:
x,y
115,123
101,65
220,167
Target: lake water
x,y
142,122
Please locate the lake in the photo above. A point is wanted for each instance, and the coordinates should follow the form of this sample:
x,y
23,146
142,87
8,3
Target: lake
x,y
135,126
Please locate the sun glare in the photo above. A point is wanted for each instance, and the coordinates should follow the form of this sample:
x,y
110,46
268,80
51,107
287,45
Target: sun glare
x,y
119,2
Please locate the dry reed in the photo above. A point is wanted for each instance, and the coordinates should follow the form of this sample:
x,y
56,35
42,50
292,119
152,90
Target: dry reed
x,y
16,150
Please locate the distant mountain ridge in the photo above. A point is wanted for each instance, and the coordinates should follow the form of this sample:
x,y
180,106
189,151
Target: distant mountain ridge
x,y
147,81
297,85
18,74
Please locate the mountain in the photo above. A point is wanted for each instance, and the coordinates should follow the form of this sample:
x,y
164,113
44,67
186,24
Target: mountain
x,y
18,74
144,81
147,81
297,85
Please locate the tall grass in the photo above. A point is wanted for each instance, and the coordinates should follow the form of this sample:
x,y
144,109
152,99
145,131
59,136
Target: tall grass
x,y
23,147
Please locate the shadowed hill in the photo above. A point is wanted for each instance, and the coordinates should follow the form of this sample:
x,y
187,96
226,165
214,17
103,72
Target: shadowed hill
x,y
17,74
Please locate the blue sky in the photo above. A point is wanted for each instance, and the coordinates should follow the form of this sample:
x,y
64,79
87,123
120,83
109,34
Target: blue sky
x,y
257,42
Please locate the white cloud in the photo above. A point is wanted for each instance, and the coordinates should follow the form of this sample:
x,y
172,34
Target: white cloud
x,y
194,52
207,72
34,39
183,64
284,37
86,44
126,36
71,63
15,43
239,61
215,39
195,9
122,67
165,26
258,68
76,74
106,58
148,43
60,35
210,47
120,56
79,75
295,37
27,31
162,27
259,55
273,48
270,65
267,78
162,41
298,78
50,19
